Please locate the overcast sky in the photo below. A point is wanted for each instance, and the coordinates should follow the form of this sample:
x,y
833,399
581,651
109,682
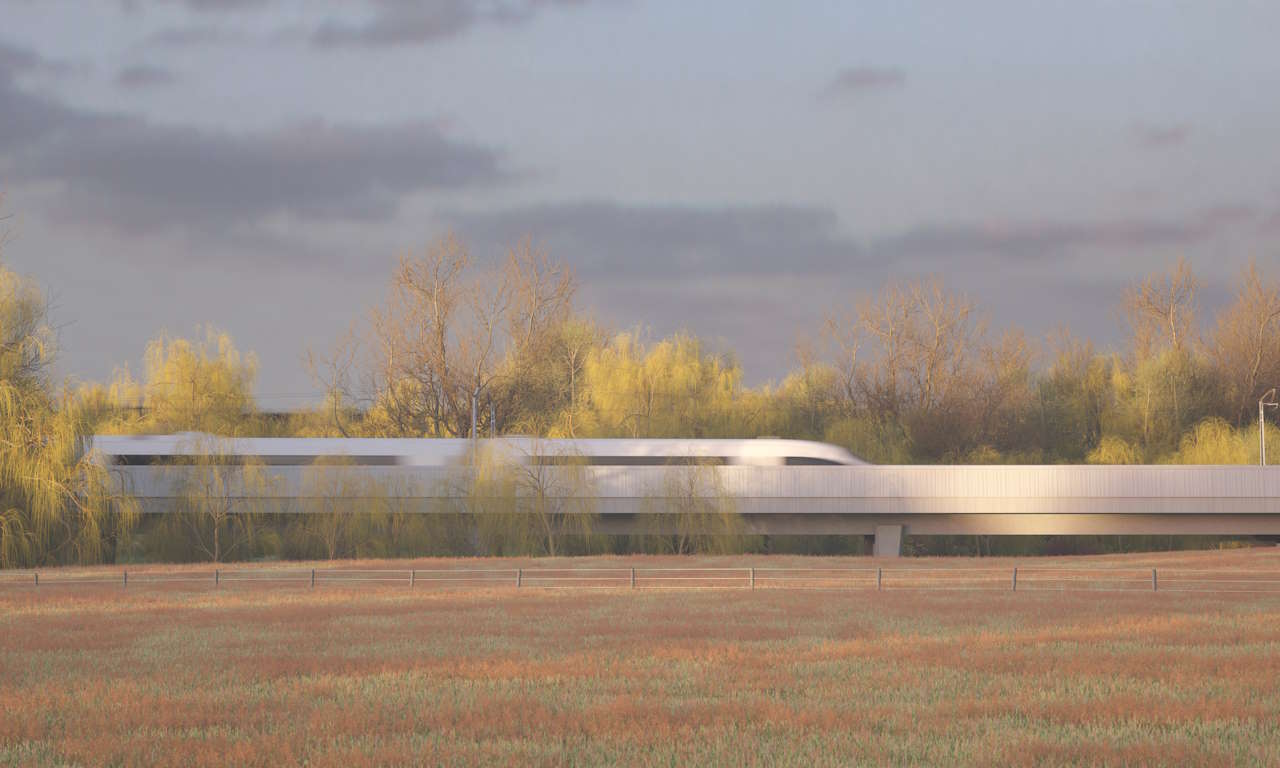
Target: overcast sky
x,y
730,167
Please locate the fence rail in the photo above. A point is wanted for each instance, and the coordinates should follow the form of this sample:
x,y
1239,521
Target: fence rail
x,y
1022,578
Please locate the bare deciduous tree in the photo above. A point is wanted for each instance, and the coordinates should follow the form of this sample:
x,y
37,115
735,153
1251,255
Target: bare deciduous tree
x,y
911,355
844,338
887,323
451,330
1245,345
416,335
1162,308
940,343
541,294
1162,315
333,371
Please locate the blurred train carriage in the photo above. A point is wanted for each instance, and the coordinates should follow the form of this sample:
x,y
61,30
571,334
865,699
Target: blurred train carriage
x,y
780,487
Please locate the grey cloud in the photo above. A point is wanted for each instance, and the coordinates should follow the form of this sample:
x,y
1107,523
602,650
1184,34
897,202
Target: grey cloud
x,y
144,76
23,118
156,174
21,61
1161,136
1269,222
136,174
185,35
601,237
366,23
201,6
399,23
1045,239
18,60
756,275
606,238
860,79
223,5
408,22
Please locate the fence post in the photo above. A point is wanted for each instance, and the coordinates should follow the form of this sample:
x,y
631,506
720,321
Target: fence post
x,y
633,578
126,580
1015,578
1155,584
37,579
519,577
217,577
313,578
413,576
753,578
879,578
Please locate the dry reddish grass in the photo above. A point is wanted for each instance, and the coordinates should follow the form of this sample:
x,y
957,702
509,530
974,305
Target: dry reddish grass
x,y
372,675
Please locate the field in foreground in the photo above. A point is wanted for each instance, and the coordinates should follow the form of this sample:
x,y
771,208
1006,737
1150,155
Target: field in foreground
x,y
384,675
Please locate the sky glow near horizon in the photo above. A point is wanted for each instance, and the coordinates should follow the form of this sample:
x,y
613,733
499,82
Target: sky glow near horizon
x,y
730,168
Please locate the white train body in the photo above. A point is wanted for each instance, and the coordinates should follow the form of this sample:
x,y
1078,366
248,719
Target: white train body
x,y
779,486
158,450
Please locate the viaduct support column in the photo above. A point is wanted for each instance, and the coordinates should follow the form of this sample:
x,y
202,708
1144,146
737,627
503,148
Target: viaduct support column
x,y
888,541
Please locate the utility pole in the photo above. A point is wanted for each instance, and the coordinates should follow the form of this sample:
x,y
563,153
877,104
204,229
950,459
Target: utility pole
x,y
1262,423
475,457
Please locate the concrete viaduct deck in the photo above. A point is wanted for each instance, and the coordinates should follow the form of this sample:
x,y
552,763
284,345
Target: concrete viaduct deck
x,y
887,502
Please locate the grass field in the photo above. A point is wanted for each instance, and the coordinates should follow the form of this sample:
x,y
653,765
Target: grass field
x,y
384,675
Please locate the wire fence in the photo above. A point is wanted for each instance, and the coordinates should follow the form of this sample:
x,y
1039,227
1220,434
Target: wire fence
x,y
1016,579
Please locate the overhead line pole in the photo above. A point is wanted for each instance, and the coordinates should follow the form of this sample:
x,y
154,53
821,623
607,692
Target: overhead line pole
x,y
1262,423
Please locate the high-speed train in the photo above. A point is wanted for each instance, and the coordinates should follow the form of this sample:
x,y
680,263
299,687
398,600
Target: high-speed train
x,y
781,487
144,450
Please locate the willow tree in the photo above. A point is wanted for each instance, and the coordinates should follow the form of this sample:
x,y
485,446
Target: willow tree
x,y
1115,450
420,516
691,512
203,385
673,388
221,498
1213,441
488,494
531,502
342,509
57,504
556,496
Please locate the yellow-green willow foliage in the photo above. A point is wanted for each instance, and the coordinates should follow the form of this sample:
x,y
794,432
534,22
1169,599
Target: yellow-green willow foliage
x,y
342,510
673,388
26,338
691,512
1115,450
418,521
203,385
877,440
1213,441
558,501
57,505
488,494
220,501
531,508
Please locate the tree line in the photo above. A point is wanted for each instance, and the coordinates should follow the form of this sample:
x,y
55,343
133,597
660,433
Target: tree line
x,y
911,373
